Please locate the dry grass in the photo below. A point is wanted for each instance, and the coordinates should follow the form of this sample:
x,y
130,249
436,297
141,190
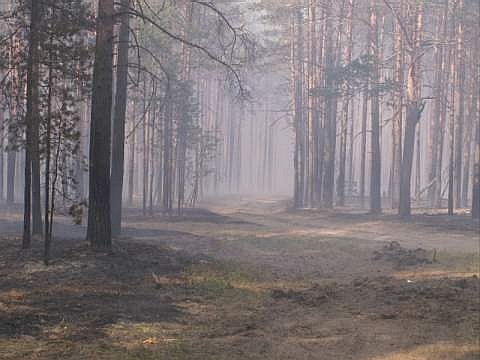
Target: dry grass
x,y
254,282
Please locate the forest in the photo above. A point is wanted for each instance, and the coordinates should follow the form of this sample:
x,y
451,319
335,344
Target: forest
x,y
240,179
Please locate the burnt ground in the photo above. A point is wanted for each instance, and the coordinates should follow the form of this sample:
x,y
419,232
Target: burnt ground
x,y
244,278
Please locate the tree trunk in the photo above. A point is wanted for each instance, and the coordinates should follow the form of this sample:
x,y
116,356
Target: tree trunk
x,y
78,157
131,157
435,134
460,97
418,164
12,129
297,196
99,217
331,86
118,141
48,152
145,137
413,116
297,71
415,108
2,146
451,124
470,144
375,170
238,153
32,153
476,125
363,151
467,151
168,159
443,97
351,148
152,155
397,115
347,57
476,169
11,166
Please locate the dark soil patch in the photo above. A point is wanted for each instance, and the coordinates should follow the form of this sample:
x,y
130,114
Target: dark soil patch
x,y
83,289
315,296
447,301
393,252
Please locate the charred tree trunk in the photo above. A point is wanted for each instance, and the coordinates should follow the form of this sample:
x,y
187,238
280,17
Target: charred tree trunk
x,y
415,107
414,112
99,217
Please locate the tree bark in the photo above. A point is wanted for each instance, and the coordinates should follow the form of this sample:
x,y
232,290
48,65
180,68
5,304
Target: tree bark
x,y
347,57
412,118
118,140
32,153
12,130
460,97
476,170
297,79
375,169
435,134
363,150
99,217
443,98
415,108
397,114
2,146
332,56
11,166
476,120
146,153
131,157
451,123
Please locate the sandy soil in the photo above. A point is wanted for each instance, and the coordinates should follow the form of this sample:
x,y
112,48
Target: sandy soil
x,y
244,278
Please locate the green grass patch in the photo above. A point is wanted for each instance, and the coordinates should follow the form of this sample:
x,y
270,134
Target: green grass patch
x,y
218,280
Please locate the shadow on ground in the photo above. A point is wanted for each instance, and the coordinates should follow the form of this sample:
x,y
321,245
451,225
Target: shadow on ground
x,y
171,293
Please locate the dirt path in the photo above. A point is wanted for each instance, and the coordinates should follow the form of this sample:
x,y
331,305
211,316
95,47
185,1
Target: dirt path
x,y
246,279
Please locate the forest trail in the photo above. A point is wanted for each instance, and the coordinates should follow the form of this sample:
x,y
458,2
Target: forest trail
x,y
243,278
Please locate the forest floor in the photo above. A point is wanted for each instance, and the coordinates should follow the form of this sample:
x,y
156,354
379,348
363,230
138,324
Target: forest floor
x,y
246,279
